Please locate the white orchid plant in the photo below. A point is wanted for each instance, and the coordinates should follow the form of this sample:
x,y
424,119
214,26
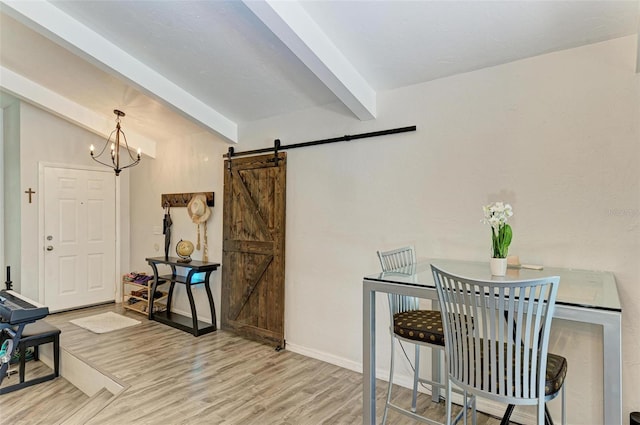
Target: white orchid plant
x,y
496,215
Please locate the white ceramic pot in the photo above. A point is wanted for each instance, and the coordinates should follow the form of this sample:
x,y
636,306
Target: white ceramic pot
x,y
498,266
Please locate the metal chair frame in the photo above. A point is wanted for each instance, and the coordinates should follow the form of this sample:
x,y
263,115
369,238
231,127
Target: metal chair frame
x,y
497,338
396,260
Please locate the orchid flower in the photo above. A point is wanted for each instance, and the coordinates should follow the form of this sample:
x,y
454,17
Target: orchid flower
x,y
496,215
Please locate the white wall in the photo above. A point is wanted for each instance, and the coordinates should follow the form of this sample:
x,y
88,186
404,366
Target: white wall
x,y
47,138
11,186
557,136
184,165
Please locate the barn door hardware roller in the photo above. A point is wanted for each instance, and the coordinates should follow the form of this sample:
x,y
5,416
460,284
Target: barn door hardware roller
x,y
229,155
278,147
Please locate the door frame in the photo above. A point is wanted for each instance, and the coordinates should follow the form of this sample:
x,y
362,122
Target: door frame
x,y
41,237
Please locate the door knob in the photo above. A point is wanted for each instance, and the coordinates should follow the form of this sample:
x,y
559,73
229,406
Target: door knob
x,y
49,248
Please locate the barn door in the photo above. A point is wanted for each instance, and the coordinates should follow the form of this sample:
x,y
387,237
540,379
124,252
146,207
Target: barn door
x,y
253,247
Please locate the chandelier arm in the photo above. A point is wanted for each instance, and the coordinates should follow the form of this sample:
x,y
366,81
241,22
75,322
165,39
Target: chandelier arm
x,y
102,151
105,144
126,145
130,165
103,163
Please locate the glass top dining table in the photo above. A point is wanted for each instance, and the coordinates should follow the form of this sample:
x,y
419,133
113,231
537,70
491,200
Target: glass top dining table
x,y
583,296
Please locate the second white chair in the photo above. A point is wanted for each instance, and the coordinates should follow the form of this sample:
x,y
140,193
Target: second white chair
x,y
413,325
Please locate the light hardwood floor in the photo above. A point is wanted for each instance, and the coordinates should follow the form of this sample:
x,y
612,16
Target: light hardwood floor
x,y
218,378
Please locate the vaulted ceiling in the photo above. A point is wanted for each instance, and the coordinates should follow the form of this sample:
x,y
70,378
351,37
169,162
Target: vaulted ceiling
x,y
203,68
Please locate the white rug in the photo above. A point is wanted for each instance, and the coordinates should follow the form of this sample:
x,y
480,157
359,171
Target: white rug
x,y
105,322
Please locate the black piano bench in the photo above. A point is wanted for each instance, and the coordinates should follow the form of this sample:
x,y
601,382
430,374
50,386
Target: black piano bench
x,y
34,335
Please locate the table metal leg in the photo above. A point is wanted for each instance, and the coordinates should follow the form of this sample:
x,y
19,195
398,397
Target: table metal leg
x,y
436,375
612,369
369,356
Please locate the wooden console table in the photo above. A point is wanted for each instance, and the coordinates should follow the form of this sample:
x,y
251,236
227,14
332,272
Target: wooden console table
x,y
179,321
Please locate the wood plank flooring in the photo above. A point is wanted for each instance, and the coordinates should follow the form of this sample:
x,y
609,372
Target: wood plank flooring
x,y
35,405
218,378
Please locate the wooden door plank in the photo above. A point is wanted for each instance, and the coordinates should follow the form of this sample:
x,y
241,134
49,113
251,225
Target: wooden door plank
x,y
252,247
251,204
250,288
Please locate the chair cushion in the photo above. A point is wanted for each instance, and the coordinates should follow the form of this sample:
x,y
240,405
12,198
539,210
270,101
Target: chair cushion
x,y
556,373
420,325
39,328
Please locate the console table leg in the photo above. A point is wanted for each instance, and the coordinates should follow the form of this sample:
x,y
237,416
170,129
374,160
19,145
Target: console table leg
x,y
192,304
212,306
153,291
170,297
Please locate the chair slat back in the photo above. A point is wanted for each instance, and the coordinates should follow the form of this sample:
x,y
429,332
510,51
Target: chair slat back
x,y
497,333
394,260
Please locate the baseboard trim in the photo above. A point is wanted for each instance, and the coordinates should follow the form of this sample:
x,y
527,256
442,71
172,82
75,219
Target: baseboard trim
x,y
324,356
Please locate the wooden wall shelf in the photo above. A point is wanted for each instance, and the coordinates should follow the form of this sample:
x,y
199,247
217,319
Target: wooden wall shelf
x,y
182,199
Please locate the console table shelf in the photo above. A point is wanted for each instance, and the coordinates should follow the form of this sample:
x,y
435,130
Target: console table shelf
x,y
179,321
179,279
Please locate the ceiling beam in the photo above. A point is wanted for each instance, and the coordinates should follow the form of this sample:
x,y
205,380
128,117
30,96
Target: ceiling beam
x,y
51,22
301,34
29,91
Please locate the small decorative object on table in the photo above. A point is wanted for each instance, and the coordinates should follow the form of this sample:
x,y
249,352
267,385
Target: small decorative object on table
x,y
496,215
184,249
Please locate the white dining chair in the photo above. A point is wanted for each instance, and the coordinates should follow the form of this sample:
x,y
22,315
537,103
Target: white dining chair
x,y
410,324
497,337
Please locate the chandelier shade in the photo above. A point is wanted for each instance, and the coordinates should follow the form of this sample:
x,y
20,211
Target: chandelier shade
x,y
115,148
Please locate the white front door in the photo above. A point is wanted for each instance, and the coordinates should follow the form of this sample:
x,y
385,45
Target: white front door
x,y
80,237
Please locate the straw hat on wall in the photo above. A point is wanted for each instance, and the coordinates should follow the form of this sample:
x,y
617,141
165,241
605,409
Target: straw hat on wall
x,y
198,209
200,212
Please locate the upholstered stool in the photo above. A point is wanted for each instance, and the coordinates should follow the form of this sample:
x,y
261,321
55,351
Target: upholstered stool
x,y
419,325
34,335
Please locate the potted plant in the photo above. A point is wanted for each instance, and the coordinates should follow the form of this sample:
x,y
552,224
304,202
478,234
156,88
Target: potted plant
x,y
496,215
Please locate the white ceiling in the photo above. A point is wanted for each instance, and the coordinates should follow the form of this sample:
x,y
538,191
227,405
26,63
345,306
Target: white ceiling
x,y
203,68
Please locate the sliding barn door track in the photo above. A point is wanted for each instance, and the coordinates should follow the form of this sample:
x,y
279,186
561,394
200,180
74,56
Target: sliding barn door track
x,y
347,138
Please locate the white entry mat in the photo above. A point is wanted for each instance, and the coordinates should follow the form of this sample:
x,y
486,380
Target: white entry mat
x,y
105,322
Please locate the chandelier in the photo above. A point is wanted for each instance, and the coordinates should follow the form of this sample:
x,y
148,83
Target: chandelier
x,y
115,148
